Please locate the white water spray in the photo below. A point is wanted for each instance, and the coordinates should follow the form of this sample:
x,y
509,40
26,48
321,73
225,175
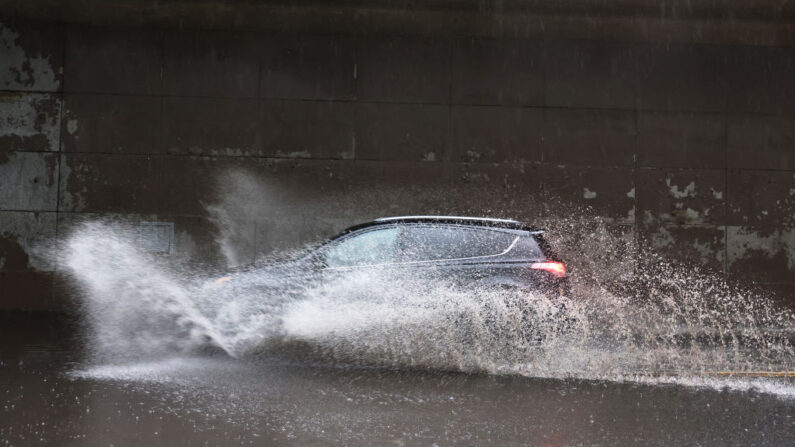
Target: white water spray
x,y
685,328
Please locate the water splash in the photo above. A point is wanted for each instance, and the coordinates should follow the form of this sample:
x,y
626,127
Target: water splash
x,y
132,305
659,323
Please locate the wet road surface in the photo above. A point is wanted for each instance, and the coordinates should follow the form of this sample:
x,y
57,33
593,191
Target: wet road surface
x,y
49,396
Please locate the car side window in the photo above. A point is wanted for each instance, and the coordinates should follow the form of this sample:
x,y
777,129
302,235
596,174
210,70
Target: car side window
x,y
438,242
365,248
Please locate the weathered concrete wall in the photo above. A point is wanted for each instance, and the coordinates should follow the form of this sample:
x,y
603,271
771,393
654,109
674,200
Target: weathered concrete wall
x,y
685,139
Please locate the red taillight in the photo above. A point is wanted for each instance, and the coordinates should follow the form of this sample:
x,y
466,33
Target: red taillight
x,y
556,268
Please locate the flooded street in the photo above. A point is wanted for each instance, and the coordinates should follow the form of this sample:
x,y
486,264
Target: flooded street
x,y
159,355
51,397
377,223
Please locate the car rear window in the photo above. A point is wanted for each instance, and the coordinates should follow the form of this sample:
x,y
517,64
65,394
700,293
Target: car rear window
x,y
436,242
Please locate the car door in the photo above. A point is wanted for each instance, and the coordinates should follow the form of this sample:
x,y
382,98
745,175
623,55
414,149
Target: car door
x,y
418,253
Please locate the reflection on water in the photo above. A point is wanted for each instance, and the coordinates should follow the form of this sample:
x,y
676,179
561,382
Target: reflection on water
x,y
49,396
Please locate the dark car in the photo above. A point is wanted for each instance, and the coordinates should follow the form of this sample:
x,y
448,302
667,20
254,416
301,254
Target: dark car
x,y
412,255
464,251
461,251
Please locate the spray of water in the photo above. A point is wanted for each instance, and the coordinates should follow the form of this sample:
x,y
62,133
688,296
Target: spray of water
x,y
629,317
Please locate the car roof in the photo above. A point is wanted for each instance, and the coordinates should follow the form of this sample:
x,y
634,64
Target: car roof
x,y
458,220
462,219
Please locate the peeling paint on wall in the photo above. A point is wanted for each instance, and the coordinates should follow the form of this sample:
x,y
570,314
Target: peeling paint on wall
x,y
70,199
680,217
694,244
22,71
347,155
744,243
29,122
689,191
706,251
29,181
686,215
23,238
72,126
631,215
294,154
472,156
662,238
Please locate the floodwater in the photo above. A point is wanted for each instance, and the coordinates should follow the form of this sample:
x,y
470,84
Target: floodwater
x,y
49,396
163,355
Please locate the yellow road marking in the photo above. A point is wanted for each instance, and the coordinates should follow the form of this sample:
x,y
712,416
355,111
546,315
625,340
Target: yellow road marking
x,y
790,374
780,374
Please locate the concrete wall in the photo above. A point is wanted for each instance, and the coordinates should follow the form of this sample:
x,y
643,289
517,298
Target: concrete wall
x,y
683,139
